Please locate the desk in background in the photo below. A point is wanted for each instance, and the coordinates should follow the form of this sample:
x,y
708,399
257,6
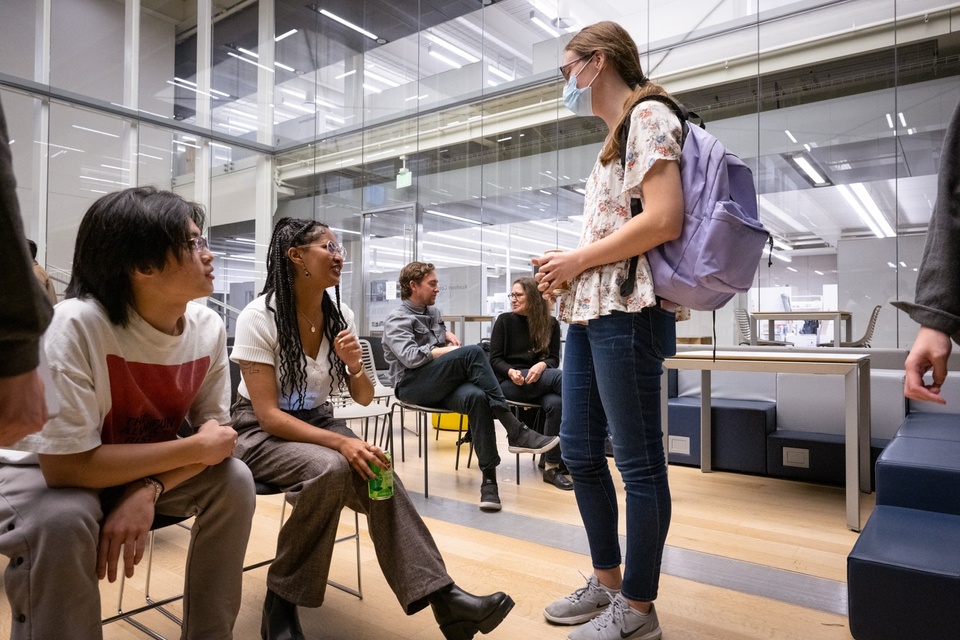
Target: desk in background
x,y
855,370
452,321
772,316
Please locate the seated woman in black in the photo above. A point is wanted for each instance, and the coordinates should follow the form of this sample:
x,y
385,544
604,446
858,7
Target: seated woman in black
x,y
525,354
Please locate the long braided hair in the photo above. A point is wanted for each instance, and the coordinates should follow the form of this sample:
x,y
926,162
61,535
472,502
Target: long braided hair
x,y
291,232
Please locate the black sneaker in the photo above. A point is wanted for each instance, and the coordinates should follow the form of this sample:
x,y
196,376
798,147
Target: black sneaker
x,y
529,441
489,496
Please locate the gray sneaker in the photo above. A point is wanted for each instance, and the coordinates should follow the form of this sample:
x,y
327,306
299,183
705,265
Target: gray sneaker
x,y
620,621
585,603
529,441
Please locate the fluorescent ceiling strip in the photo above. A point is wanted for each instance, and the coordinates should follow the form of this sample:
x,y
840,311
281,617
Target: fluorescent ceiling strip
x,y
864,196
452,48
790,135
284,67
249,53
855,204
97,131
543,25
256,64
371,88
347,23
345,74
451,216
296,93
443,58
552,227
489,39
189,88
284,35
497,72
804,164
386,81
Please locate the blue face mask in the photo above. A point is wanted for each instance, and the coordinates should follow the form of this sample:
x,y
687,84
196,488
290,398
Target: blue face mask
x,y
580,101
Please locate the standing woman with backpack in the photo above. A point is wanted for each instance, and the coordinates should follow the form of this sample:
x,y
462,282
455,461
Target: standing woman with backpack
x,y
616,344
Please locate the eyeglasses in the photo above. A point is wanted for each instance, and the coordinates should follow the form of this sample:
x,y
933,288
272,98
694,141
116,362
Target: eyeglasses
x,y
515,296
199,243
330,246
565,68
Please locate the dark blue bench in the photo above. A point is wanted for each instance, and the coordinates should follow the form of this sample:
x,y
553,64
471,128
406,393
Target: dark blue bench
x,y
739,434
903,576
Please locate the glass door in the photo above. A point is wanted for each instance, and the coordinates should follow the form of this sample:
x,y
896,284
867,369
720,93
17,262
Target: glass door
x,y
390,242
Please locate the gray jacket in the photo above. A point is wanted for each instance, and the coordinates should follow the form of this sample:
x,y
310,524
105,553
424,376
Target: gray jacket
x,y
410,333
938,282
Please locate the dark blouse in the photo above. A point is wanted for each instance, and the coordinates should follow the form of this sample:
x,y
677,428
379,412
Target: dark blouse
x,y
512,348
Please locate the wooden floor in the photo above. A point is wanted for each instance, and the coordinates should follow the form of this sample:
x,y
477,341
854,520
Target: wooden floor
x,y
781,524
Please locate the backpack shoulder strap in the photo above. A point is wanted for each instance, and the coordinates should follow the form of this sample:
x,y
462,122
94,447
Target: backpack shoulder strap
x,y
627,286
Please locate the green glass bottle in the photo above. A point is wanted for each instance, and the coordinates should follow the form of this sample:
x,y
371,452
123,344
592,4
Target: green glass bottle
x,y
381,486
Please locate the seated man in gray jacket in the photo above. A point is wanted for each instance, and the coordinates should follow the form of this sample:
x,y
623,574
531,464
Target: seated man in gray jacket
x,y
429,367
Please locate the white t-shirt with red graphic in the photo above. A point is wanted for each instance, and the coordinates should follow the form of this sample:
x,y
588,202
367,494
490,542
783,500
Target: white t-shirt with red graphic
x,y
133,384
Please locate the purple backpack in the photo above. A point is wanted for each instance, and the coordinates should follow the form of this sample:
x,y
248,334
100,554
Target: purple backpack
x,y
720,247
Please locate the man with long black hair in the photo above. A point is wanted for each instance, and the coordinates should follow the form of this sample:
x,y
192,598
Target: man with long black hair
x,y
132,359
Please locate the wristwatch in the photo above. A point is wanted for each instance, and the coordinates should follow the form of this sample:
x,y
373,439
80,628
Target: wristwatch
x,y
157,487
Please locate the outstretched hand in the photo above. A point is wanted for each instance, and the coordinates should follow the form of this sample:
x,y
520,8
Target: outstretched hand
x,y
930,351
125,529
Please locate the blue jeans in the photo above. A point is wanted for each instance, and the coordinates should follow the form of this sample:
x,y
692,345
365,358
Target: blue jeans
x,y
462,381
611,381
546,393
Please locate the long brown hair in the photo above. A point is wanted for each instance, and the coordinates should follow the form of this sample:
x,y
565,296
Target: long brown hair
x,y
538,316
621,52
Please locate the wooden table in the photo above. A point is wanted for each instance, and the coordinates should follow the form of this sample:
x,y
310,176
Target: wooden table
x,y
855,370
772,316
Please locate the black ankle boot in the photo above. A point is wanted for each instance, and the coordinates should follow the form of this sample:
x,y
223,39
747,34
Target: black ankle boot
x,y
280,620
461,614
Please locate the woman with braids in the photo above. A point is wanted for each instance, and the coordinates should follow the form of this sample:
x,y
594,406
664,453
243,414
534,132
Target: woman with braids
x,y
525,354
295,345
616,342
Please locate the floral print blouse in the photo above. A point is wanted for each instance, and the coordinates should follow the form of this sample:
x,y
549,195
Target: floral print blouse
x,y
654,135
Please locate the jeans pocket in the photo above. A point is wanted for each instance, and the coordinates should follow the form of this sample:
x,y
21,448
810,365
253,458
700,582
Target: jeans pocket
x,y
663,331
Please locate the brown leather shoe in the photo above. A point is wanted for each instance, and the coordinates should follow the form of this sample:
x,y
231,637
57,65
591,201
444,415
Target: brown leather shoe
x,y
461,614
557,479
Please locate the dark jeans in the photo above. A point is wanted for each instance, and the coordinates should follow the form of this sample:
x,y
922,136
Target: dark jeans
x,y
461,381
546,393
611,380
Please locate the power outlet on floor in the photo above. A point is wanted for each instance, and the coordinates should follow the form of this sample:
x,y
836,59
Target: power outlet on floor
x,y
679,444
795,457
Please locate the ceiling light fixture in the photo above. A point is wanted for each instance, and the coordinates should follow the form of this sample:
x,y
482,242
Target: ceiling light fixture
x,y
379,78
452,48
345,74
890,121
349,25
543,25
871,205
499,73
860,211
443,58
284,35
903,120
451,216
242,59
284,67
807,167
249,53
790,135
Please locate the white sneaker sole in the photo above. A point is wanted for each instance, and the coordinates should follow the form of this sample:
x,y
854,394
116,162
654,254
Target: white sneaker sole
x,y
578,619
550,445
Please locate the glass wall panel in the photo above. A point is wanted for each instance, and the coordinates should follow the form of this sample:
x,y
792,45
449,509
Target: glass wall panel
x,y
19,110
159,81
86,48
19,27
87,160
